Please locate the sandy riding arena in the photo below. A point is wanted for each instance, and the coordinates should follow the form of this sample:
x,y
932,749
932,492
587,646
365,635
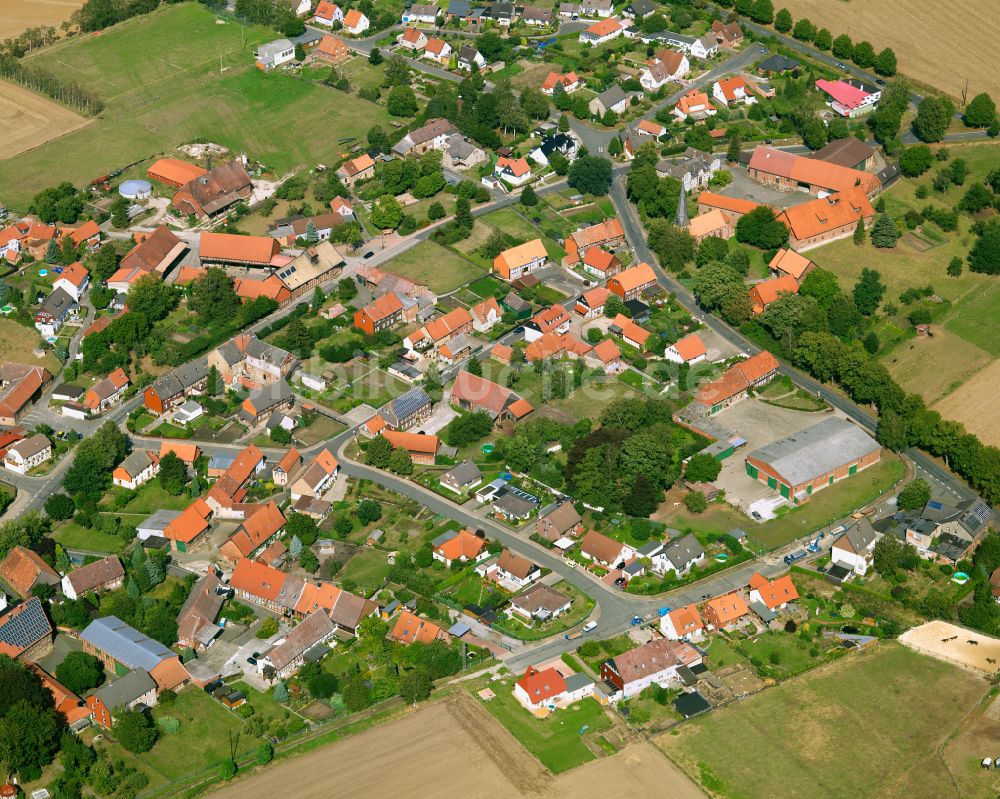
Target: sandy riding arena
x,y
915,28
455,749
28,119
945,641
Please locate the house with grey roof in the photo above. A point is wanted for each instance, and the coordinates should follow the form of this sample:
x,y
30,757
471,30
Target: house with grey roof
x,y
154,524
513,507
681,555
289,654
462,478
131,691
272,55
122,648
613,99
540,602
459,153
469,55
852,549
171,389
811,459
106,574
693,168
196,627
54,312
640,9
431,136
266,400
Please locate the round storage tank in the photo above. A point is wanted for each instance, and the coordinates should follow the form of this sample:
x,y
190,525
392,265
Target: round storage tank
x,y
136,189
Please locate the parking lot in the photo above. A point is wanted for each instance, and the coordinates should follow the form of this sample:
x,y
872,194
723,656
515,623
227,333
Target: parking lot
x,y
561,279
746,189
760,424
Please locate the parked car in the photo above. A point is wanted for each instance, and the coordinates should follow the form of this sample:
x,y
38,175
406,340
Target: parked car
x,y
590,625
368,254
636,621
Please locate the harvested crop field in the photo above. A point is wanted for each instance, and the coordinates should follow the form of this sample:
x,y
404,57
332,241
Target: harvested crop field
x,y
16,16
867,725
913,29
945,641
932,366
974,404
455,748
28,119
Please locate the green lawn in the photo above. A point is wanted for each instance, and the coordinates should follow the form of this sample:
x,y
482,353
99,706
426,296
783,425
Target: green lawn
x,y
868,726
368,569
160,75
555,741
72,536
152,497
434,266
790,651
201,743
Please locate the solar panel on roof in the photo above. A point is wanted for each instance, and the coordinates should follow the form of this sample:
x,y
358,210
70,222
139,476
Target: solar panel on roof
x,y
26,624
409,403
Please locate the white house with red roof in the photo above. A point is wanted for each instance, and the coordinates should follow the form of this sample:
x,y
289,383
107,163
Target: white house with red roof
x,y
485,314
733,91
690,350
73,280
355,22
773,594
413,39
327,13
849,98
682,622
515,171
343,207
438,50
570,82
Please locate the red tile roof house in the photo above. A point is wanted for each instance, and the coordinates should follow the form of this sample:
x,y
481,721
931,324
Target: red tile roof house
x,y
28,453
607,234
196,627
653,663
106,574
88,235
683,623
591,302
107,392
472,393
461,546
438,332
570,82
605,551
774,594
410,629
553,319
73,280
768,291
286,467
226,496
187,530
689,349
485,314
734,384
23,569
20,384
631,333
316,477
518,261
630,284
607,354
536,690
601,264
412,39
233,250
25,631
212,193
726,611
422,449
380,314
254,534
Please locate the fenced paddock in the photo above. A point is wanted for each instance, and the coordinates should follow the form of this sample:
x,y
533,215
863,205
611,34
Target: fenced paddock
x,y
955,644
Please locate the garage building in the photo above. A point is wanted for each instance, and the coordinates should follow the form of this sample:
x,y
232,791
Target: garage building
x,y
813,458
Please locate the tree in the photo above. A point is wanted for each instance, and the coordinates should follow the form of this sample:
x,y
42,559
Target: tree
x,y
152,297
783,21
980,112
589,174
80,672
733,150
402,102
268,628
387,213
302,527
375,57
674,246
871,343
984,257
823,39
60,506
463,214
173,474
378,453
356,695
368,511
859,233
29,736
695,502
760,228
415,685
702,468
868,291
213,297
814,133
842,46
890,555
955,267
400,462
885,63
933,118
397,71
436,211
863,55
884,233
528,196
804,30
916,160
915,495
135,731
347,290
264,753
322,684
644,497
119,214
712,248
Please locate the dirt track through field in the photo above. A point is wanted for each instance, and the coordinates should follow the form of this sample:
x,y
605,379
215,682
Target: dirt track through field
x,y
975,405
17,16
456,749
942,43
28,119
